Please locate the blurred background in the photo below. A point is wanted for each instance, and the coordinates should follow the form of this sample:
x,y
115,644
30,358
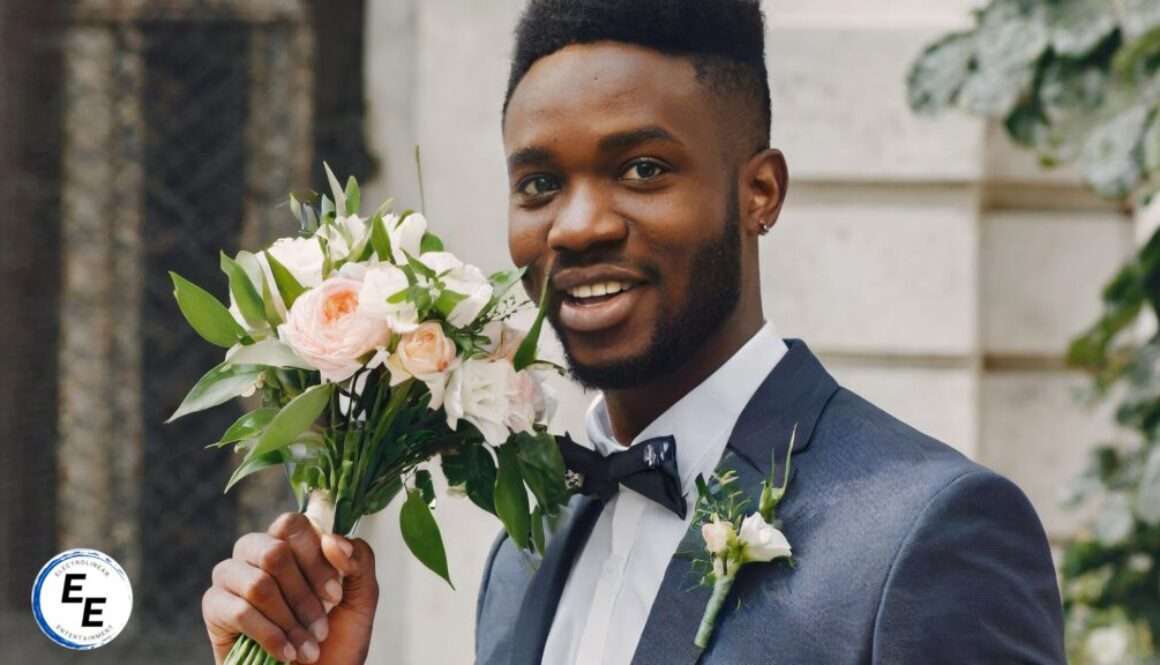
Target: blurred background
x,y
929,258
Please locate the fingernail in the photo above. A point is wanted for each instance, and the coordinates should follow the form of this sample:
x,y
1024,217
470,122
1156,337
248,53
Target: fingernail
x,y
309,652
334,590
288,653
320,629
346,547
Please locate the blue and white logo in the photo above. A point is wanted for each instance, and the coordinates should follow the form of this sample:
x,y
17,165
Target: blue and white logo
x,y
82,599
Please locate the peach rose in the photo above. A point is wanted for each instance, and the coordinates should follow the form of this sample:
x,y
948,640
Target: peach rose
x,y
326,329
425,354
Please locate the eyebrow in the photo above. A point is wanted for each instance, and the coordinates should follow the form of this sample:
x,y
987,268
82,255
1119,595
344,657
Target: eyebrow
x,y
612,143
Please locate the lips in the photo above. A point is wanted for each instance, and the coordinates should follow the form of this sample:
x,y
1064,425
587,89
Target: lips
x,y
597,298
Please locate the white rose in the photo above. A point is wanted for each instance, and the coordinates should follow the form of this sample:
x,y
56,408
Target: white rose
x,y
464,279
379,283
301,256
532,401
717,535
1108,645
405,236
478,392
326,328
760,541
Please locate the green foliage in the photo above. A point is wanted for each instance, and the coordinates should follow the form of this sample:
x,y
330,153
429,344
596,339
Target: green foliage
x,y
421,534
1077,81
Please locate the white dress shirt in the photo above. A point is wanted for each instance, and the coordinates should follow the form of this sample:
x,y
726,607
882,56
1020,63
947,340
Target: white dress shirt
x,y
611,588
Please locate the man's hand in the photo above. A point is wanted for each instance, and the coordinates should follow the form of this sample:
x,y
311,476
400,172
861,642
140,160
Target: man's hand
x,y
274,588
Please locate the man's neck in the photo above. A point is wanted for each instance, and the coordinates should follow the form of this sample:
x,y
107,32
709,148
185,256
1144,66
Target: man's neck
x,y
630,410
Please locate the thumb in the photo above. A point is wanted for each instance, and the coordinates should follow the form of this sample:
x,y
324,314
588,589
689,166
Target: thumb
x,y
355,562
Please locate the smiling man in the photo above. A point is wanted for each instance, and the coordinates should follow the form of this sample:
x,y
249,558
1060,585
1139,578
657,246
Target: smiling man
x,y
641,182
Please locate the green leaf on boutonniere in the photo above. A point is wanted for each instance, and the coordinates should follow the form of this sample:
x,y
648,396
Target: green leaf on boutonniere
x,y
294,418
248,426
511,499
526,353
219,385
245,295
284,280
205,313
773,492
421,533
542,468
254,463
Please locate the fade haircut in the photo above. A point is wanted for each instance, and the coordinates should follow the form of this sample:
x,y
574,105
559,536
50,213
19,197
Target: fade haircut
x,y
724,40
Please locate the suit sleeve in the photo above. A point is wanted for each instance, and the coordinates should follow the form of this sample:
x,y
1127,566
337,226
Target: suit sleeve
x,y
481,599
973,582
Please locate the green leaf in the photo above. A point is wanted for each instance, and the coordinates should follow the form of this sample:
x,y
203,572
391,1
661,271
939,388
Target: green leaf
x,y
1078,26
474,468
248,426
511,499
936,76
219,385
419,267
271,310
335,189
353,198
526,353
269,352
245,295
284,280
421,534
425,486
1151,143
539,541
294,418
542,468
380,239
430,243
447,301
254,463
1109,157
205,313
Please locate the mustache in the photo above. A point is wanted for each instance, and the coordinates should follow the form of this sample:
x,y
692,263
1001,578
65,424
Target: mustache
x,y
568,259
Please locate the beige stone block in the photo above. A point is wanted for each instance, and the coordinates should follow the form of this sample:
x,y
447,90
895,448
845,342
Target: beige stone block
x,y
1036,432
1042,275
875,270
937,400
840,109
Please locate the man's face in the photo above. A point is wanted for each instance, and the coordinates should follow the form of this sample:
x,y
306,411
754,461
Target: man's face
x,y
621,189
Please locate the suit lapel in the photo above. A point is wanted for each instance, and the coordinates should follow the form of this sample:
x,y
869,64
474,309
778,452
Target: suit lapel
x,y
795,392
543,593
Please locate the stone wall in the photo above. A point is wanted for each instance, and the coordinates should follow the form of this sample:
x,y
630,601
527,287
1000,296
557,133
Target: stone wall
x,y
937,271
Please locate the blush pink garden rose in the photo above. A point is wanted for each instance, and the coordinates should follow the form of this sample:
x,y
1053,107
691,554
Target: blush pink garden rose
x,y
326,329
427,355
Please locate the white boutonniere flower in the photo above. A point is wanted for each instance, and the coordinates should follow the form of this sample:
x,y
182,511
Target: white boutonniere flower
x,y
734,539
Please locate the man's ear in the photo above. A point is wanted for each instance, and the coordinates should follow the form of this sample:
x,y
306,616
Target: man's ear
x,y
764,182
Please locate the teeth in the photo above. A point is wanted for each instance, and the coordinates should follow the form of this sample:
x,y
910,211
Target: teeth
x,y
598,289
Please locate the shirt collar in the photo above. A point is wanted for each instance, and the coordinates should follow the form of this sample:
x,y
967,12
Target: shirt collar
x,y
702,420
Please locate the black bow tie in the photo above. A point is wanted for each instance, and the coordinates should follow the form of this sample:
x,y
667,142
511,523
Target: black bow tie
x,y
648,468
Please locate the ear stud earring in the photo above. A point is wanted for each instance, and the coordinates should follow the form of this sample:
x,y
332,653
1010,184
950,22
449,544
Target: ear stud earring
x,y
763,227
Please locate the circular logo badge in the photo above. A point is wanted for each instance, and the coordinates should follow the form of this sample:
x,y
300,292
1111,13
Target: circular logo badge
x,y
82,599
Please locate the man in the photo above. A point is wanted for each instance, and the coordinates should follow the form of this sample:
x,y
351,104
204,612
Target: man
x,y
637,137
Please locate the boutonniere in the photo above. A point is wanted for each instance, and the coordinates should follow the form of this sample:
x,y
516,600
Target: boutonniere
x,y
735,537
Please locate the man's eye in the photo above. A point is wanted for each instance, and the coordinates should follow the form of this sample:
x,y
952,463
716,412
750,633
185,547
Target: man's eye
x,y
644,170
538,185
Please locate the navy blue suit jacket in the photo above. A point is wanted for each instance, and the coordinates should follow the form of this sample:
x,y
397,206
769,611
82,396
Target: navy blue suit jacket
x,y
906,552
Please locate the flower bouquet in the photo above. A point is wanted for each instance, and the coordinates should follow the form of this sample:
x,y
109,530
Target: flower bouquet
x,y
372,351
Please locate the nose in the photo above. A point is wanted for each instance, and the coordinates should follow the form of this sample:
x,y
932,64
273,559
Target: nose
x,y
585,219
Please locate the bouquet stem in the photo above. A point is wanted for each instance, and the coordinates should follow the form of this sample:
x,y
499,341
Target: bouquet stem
x,y
320,512
721,588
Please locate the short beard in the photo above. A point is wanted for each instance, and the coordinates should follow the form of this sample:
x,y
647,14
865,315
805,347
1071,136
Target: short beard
x,y
714,291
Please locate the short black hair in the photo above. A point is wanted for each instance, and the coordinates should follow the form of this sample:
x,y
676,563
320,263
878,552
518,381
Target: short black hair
x,y
724,39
